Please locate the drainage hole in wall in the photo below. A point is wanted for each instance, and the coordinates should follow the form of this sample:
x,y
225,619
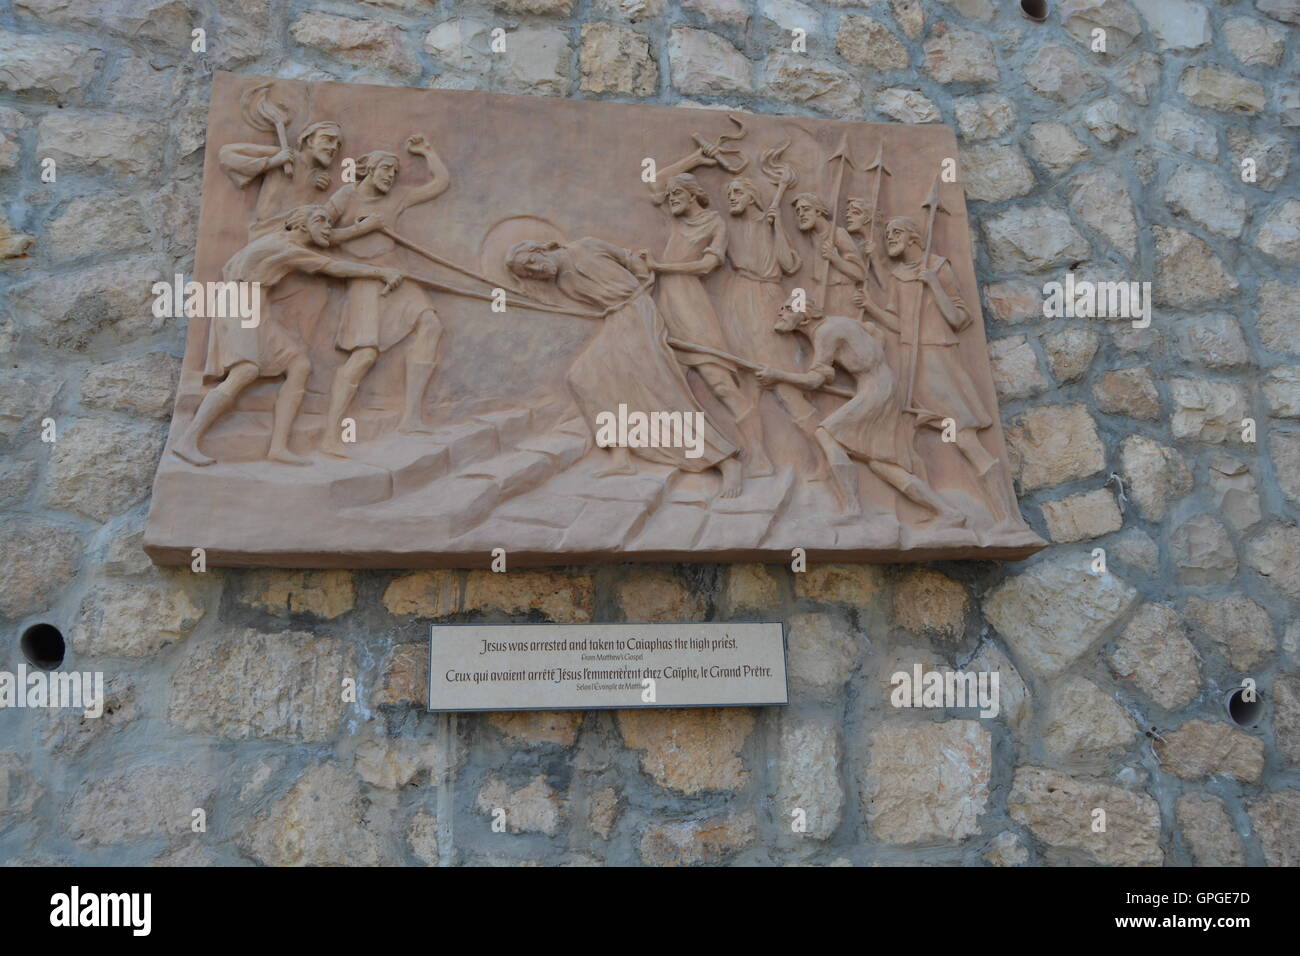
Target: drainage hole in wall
x,y
1245,713
43,646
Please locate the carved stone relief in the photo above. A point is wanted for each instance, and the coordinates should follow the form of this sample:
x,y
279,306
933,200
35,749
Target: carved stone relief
x,y
577,331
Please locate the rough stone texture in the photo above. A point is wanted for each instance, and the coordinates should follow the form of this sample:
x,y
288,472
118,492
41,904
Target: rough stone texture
x,y
1155,654
959,56
1118,165
840,583
1215,341
1078,517
322,594
1033,239
323,820
617,59
1058,809
1199,195
540,726
1218,89
378,44
1208,830
1240,627
810,757
1055,146
863,41
690,751
100,467
984,117
1053,612
1084,722
1070,353
1056,444
138,621
138,386
995,173
1102,201
693,842
1014,365
926,783
534,808
1203,552
1188,272
927,602
1155,475
907,106
1201,747
652,595
1286,718
705,63
1276,819
149,803
285,686
1207,410
1279,234
821,651
404,679
1272,554
1130,392
40,560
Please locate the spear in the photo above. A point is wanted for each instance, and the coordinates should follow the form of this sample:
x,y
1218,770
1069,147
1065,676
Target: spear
x,y
877,166
934,205
841,154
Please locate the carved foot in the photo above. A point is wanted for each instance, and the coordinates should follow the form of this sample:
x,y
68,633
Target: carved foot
x,y
334,449
759,466
947,519
188,451
731,482
286,457
628,469
414,427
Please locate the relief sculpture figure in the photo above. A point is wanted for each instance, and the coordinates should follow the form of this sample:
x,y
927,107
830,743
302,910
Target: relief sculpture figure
x,y
864,429
760,255
697,245
628,361
368,211
238,356
927,327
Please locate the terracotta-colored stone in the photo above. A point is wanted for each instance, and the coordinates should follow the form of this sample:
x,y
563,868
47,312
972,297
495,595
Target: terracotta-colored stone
x,y
325,456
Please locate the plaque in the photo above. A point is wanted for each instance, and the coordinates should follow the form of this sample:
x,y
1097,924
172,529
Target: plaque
x,y
593,666
425,325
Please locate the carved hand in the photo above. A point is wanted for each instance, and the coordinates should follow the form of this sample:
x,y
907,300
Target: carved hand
x,y
767,377
372,223
827,248
417,144
392,279
321,179
859,299
283,158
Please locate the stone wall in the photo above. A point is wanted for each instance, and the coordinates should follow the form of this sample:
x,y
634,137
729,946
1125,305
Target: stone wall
x,y
224,687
